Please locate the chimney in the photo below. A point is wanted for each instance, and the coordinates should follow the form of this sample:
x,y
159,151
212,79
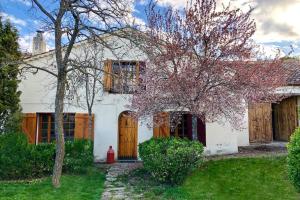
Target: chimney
x,y
38,43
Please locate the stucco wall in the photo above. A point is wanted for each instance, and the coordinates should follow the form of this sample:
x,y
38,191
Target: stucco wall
x,y
222,138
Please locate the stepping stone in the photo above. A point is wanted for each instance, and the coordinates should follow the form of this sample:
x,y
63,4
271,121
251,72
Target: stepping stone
x,y
116,190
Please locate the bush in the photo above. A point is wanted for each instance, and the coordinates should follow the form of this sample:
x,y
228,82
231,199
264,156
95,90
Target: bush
x,y
15,154
170,160
19,160
79,155
293,159
42,159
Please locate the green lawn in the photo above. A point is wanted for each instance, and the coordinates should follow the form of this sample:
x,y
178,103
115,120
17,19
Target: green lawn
x,y
81,187
242,178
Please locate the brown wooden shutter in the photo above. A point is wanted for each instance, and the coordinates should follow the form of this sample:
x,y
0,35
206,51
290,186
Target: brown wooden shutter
x,y
163,130
29,126
201,130
82,126
260,122
188,119
107,75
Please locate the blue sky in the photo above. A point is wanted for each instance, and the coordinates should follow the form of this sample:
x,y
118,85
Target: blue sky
x,y
277,20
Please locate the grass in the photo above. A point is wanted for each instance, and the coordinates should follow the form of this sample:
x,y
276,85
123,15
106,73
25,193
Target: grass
x,y
73,187
239,178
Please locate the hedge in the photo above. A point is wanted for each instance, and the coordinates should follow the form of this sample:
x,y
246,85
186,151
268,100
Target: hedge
x,y
293,159
20,160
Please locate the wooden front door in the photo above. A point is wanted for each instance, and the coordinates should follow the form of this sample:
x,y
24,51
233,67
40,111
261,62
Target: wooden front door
x,y
285,118
128,128
260,123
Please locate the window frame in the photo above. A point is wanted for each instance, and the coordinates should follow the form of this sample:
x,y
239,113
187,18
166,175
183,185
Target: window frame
x,y
126,85
48,125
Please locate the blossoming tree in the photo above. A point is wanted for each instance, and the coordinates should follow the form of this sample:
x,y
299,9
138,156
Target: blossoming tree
x,y
202,60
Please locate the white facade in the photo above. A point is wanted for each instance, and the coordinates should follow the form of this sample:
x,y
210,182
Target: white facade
x,y
38,93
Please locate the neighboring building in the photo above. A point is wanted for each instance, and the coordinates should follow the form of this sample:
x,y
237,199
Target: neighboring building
x,y
112,124
270,122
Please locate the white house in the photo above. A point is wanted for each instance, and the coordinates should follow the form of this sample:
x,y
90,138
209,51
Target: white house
x,y
112,126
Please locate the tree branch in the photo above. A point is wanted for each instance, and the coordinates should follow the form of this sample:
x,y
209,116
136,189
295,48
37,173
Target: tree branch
x,y
37,3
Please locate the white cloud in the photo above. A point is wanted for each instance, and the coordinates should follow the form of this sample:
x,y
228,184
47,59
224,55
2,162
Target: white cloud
x,y
276,20
173,3
49,38
25,42
13,19
271,51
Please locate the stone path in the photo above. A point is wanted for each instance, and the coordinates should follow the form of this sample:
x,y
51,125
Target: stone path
x,y
115,189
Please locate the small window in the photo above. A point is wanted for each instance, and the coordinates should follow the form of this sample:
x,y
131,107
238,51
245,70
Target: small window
x,y
47,127
124,77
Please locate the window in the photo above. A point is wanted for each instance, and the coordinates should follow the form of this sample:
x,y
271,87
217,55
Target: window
x,y
69,126
122,76
47,127
183,128
191,127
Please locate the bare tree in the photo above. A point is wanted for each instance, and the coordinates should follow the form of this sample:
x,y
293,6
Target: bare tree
x,y
72,21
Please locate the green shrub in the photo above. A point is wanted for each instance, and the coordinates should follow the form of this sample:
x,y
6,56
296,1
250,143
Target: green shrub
x,y
79,155
19,160
293,159
42,159
170,160
15,155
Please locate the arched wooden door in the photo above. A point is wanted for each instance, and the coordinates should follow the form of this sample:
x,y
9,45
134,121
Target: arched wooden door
x,y
128,128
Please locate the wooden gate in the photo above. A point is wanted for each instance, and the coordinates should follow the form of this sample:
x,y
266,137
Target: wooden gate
x,y
260,123
285,118
127,136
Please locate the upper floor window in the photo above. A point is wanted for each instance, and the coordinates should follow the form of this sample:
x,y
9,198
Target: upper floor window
x,y
122,76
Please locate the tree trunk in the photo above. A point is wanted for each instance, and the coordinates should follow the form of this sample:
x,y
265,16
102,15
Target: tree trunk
x,y
90,130
60,141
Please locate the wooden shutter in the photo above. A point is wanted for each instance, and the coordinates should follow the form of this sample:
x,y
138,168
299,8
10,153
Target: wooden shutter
x,y
107,75
82,126
201,131
163,130
29,126
260,122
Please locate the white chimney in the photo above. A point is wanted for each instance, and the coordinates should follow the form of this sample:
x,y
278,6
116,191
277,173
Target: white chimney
x,y
38,43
